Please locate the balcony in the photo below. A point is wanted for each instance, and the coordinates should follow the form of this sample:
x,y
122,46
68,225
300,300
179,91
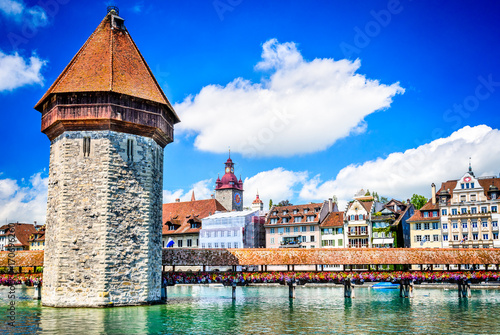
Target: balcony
x,y
474,229
469,215
494,228
445,230
357,233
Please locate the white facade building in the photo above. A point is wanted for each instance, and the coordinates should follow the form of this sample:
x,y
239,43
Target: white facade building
x,y
232,230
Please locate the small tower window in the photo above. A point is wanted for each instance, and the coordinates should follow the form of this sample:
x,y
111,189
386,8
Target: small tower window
x,y
86,146
130,150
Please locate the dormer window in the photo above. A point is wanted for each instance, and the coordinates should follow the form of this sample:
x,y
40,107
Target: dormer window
x,y
285,212
306,210
295,211
171,227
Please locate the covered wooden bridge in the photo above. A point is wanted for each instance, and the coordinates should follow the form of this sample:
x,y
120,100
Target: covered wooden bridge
x,y
489,258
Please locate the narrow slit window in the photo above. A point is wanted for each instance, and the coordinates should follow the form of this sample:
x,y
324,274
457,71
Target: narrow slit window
x,y
130,150
86,146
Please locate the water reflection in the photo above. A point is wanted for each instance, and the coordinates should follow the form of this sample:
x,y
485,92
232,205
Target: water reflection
x,y
268,310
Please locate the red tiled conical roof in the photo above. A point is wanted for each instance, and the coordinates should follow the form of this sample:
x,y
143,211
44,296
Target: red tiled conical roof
x,y
109,61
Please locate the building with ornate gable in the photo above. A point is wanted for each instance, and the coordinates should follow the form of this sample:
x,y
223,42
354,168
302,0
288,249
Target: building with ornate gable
x,y
357,221
469,211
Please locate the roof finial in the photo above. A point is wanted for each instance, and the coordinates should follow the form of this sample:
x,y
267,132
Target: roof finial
x,y
470,165
229,151
115,8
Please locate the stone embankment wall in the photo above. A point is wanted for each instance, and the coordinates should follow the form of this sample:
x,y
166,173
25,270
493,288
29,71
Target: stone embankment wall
x,y
103,220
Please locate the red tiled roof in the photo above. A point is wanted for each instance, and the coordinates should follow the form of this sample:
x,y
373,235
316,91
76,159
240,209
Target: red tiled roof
x,y
109,61
367,205
290,210
22,258
419,216
298,256
182,213
334,219
485,184
430,207
22,231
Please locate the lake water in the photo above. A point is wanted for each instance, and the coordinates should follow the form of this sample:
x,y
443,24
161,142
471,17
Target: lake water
x,y
267,310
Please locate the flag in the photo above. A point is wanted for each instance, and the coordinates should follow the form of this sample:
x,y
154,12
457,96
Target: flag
x,y
464,239
170,243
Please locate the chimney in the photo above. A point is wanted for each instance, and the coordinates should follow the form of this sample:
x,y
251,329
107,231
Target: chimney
x,y
330,205
433,186
177,200
212,196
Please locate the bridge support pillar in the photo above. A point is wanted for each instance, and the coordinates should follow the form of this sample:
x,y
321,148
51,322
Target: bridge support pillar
x,y
464,289
233,288
406,288
291,289
349,289
163,296
38,292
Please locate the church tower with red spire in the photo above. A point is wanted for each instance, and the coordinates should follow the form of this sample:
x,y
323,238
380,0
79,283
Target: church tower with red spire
x,y
228,189
108,122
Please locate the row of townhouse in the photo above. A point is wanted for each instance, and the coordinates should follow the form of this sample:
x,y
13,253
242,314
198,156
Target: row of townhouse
x,y
463,213
366,223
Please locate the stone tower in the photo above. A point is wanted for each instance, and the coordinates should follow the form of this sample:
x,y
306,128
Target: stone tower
x,y
108,121
229,190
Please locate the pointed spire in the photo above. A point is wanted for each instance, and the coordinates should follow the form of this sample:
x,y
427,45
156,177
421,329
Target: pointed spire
x,y
192,196
470,167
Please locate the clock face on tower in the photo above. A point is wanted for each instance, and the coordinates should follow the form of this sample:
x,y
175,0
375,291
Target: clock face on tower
x,y
228,169
232,170
237,199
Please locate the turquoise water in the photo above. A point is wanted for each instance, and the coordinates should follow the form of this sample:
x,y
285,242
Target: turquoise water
x,y
267,310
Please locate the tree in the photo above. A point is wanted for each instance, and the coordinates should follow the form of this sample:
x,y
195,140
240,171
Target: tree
x,y
284,203
367,192
334,199
384,200
418,201
270,204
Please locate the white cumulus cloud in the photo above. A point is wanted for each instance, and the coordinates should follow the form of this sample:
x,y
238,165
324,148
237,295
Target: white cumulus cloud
x,y
23,203
402,174
202,190
34,16
277,184
303,107
15,71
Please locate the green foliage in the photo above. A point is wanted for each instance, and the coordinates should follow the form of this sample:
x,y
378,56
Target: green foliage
x,y
284,203
418,201
270,204
367,192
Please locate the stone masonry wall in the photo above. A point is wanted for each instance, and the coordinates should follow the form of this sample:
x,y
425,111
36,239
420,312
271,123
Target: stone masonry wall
x,y
103,241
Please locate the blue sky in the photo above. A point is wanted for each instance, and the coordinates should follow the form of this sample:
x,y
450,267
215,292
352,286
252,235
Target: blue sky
x,y
315,98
